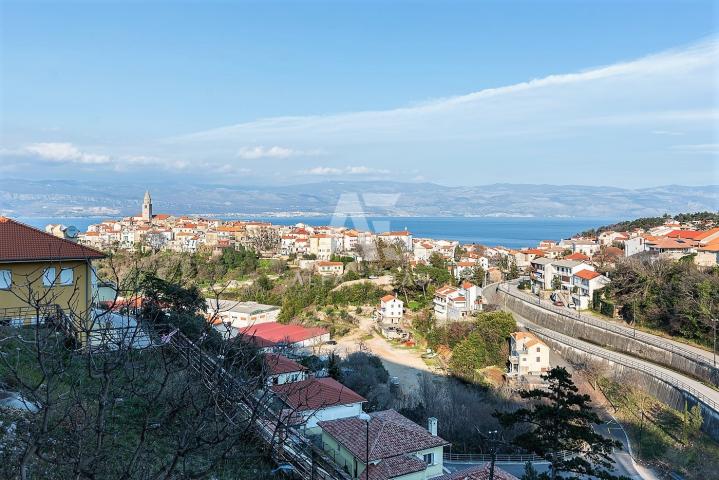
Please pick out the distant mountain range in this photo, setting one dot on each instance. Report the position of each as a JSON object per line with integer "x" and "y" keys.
{"x": 59, "y": 198}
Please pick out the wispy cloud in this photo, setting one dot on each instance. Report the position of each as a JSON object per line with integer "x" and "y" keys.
{"x": 330, "y": 171}
{"x": 702, "y": 148}
{"x": 650, "y": 91}
{"x": 254, "y": 153}
{"x": 64, "y": 153}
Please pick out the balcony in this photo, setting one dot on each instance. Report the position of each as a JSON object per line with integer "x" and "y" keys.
{"x": 102, "y": 330}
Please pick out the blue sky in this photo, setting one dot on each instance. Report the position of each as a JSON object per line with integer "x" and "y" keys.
{"x": 612, "y": 93}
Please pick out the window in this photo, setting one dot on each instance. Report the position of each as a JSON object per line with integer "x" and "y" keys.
{"x": 428, "y": 458}
{"x": 49, "y": 276}
{"x": 5, "y": 279}
{"x": 66, "y": 276}
{"x": 539, "y": 349}
{"x": 537, "y": 359}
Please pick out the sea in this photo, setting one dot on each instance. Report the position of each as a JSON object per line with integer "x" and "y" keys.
{"x": 515, "y": 232}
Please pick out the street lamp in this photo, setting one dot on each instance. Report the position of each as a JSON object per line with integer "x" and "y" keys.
{"x": 366, "y": 418}
{"x": 493, "y": 446}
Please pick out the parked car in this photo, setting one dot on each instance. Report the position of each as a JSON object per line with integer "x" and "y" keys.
{"x": 571, "y": 305}
{"x": 559, "y": 303}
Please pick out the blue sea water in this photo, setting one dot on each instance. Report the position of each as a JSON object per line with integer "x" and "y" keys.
{"x": 509, "y": 232}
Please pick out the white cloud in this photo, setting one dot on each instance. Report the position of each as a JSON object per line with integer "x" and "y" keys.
{"x": 360, "y": 170}
{"x": 259, "y": 151}
{"x": 64, "y": 153}
{"x": 657, "y": 89}
{"x": 705, "y": 148}
{"x": 254, "y": 153}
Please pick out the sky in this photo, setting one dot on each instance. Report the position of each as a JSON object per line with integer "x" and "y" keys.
{"x": 619, "y": 93}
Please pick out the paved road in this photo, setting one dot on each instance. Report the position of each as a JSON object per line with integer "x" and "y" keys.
{"x": 618, "y": 326}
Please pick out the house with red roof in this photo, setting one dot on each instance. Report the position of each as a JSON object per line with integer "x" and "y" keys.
{"x": 38, "y": 269}
{"x": 454, "y": 303}
{"x": 584, "y": 283}
{"x": 391, "y": 309}
{"x": 329, "y": 269}
{"x": 277, "y": 336}
{"x": 305, "y": 403}
{"x": 528, "y": 355}
{"x": 280, "y": 370}
{"x": 384, "y": 445}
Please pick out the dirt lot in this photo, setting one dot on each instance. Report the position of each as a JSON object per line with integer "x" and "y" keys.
{"x": 403, "y": 363}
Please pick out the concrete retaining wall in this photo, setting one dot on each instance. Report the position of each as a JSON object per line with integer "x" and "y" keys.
{"x": 614, "y": 341}
{"x": 659, "y": 389}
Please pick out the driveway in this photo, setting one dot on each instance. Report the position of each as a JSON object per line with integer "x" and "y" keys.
{"x": 405, "y": 364}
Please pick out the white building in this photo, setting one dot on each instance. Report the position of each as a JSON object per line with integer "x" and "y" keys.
{"x": 584, "y": 284}
{"x": 241, "y": 314}
{"x": 565, "y": 270}
{"x": 542, "y": 274}
{"x": 326, "y": 268}
{"x": 322, "y": 245}
{"x": 528, "y": 355}
{"x": 281, "y": 370}
{"x": 402, "y": 238}
{"x": 317, "y": 399}
{"x": 454, "y": 303}
{"x": 391, "y": 309}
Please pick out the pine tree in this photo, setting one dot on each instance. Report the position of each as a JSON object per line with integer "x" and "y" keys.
{"x": 561, "y": 420}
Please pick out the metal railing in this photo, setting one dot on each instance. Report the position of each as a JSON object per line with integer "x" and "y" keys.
{"x": 624, "y": 331}
{"x": 627, "y": 362}
{"x": 286, "y": 444}
{"x": 500, "y": 457}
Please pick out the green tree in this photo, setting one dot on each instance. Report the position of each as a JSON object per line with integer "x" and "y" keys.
{"x": 530, "y": 473}
{"x": 561, "y": 420}
{"x": 513, "y": 271}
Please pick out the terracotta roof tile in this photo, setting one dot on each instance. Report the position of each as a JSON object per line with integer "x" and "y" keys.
{"x": 390, "y": 433}
{"x": 277, "y": 364}
{"x": 20, "y": 242}
{"x": 478, "y": 472}
{"x": 587, "y": 274}
{"x": 393, "y": 467}
{"x": 316, "y": 393}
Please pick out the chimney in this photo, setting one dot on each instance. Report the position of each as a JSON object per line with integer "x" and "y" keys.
{"x": 432, "y": 426}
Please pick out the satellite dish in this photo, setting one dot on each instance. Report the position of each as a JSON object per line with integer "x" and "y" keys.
{"x": 71, "y": 231}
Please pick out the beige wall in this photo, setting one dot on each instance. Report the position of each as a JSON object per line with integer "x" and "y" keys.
{"x": 27, "y": 284}
{"x": 344, "y": 458}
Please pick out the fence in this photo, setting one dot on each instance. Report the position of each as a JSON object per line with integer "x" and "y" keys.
{"x": 627, "y": 362}
{"x": 286, "y": 444}
{"x": 610, "y": 327}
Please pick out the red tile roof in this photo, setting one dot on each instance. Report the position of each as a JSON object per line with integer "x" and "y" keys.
{"x": 316, "y": 393}
{"x": 577, "y": 256}
{"x": 690, "y": 234}
{"x": 388, "y": 298}
{"x": 393, "y": 467}
{"x": 21, "y": 243}
{"x": 274, "y": 332}
{"x": 278, "y": 364}
{"x": 390, "y": 434}
{"x": 478, "y": 472}
{"x": 587, "y": 274}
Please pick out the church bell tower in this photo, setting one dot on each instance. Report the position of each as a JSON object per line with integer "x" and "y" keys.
{"x": 147, "y": 208}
